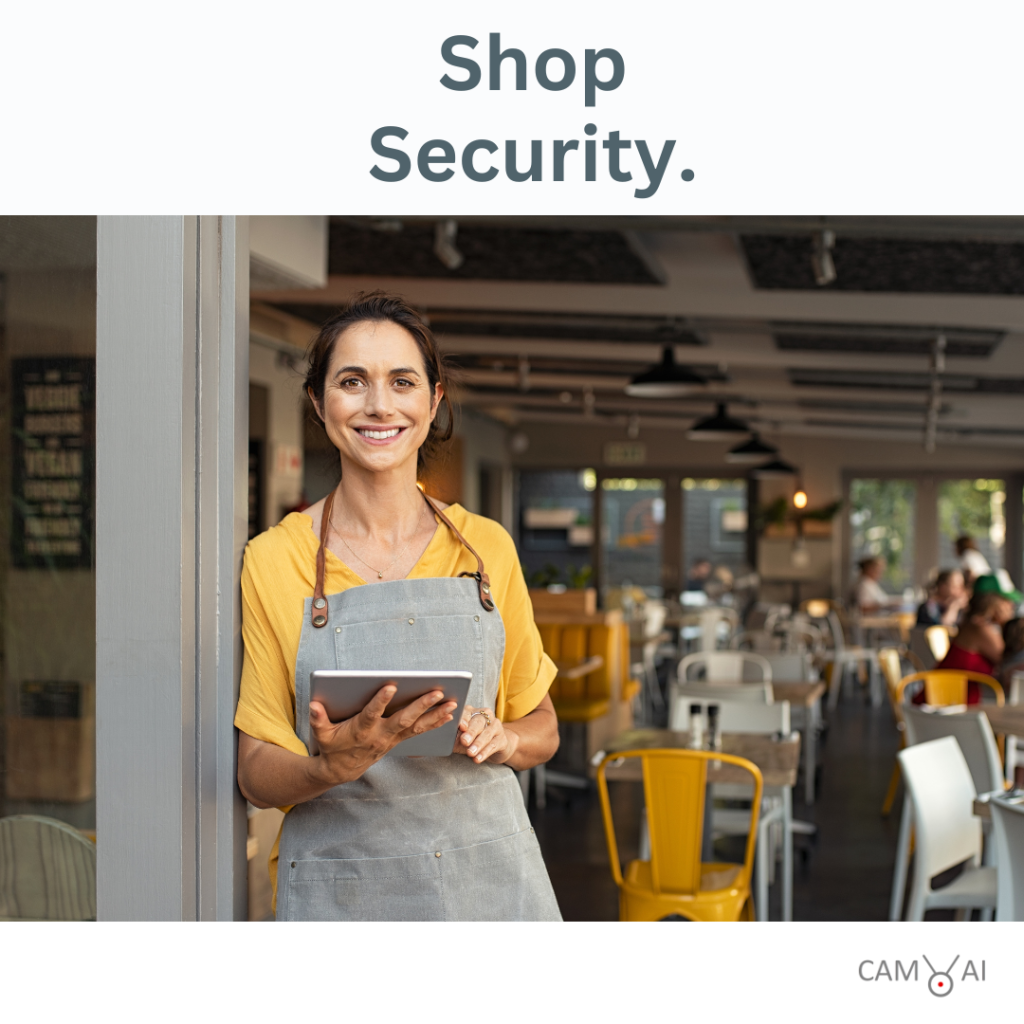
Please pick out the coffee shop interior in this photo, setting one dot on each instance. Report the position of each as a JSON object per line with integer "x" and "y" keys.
{"x": 761, "y": 473}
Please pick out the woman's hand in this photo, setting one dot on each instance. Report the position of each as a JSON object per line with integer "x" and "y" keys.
{"x": 482, "y": 741}
{"x": 348, "y": 748}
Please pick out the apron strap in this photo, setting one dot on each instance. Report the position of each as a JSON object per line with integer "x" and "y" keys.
{"x": 481, "y": 577}
{"x": 320, "y": 606}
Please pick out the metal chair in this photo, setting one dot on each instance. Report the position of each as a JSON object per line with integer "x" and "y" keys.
{"x": 944, "y": 687}
{"x": 1008, "y": 833}
{"x": 47, "y": 871}
{"x": 675, "y": 880}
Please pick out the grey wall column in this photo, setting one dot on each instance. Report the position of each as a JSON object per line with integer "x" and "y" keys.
{"x": 171, "y": 487}
{"x": 1014, "y": 512}
{"x": 926, "y": 529}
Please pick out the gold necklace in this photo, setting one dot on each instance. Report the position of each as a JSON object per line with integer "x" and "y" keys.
{"x": 379, "y": 572}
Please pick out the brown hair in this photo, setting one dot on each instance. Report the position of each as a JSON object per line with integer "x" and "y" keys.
{"x": 381, "y": 307}
{"x": 982, "y": 604}
{"x": 1013, "y": 636}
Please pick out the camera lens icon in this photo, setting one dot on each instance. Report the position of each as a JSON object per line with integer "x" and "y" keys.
{"x": 940, "y": 984}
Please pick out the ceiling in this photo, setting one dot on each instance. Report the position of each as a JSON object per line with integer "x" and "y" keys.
{"x": 548, "y": 319}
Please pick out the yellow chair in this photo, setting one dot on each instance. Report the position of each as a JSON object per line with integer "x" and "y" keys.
{"x": 938, "y": 641}
{"x": 675, "y": 880}
{"x": 892, "y": 672}
{"x": 944, "y": 687}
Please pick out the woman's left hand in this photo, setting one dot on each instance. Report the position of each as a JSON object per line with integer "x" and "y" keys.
{"x": 482, "y": 737}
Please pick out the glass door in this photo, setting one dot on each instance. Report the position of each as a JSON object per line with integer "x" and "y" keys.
{"x": 714, "y": 533}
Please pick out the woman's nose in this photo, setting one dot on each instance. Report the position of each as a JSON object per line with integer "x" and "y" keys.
{"x": 379, "y": 400}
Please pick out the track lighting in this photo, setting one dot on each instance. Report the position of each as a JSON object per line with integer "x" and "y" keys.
{"x": 821, "y": 258}
{"x": 445, "y": 233}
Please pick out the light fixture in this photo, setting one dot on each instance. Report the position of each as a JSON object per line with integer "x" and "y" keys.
{"x": 800, "y": 497}
{"x": 753, "y": 450}
{"x": 666, "y": 379}
{"x": 445, "y": 232}
{"x": 774, "y": 470}
{"x": 719, "y": 427}
{"x": 821, "y": 258}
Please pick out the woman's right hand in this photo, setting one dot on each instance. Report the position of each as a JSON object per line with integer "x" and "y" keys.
{"x": 349, "y": 748}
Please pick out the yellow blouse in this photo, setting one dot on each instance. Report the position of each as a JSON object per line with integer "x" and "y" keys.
{"x": 279, "y": 573}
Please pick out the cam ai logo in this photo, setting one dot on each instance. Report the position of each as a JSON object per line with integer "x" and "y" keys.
{"x": 940, "y": 982}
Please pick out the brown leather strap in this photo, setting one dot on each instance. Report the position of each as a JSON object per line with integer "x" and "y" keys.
{"x": 483, "y": 580}
{"x": 320, "y": 606}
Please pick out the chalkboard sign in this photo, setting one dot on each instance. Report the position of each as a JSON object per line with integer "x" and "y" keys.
{"x": 53, "y": 449}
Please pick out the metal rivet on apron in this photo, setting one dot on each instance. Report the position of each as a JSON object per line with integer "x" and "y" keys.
{"x": 438, "y": 854}
{"x": 319, "y": 621}
{"x": 319, "y": 602}
{"x": 337, "y": 629}
{"x": 531, "y": 829}
{"x": 293, "y": 863}
{"x": 476, "y": 618}
{"x": 411, "y": 621}
{"x": 487, "y": 590}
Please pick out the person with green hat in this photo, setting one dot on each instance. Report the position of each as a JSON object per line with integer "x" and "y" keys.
{"x": 998, "y": 582}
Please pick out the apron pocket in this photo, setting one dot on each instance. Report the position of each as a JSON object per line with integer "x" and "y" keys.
{"x": 388, "y": 889}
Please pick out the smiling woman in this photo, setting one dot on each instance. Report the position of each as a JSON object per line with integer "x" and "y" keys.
{"x": 369, "y": 838}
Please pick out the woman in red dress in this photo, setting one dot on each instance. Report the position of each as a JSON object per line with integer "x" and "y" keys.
{"x": 978, "y": 646}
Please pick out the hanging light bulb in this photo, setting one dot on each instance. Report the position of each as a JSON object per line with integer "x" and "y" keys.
{"x": 719, "y": 427}
{"x": 800, "y": 497}
{"x": 666, "y": 379}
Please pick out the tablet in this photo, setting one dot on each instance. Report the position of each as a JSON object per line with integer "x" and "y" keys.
{"x": 345, "y": 692}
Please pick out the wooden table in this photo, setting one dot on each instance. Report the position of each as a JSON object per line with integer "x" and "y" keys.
{"x": 777, "y": 759}
{"x": 981, "y": 806}
{"x": 807, "y": 696}
{"x": 899, "y": 622}
{"x": 1007, "y": 720}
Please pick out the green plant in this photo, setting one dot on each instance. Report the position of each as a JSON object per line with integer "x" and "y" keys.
{"x": 579, "y": 579}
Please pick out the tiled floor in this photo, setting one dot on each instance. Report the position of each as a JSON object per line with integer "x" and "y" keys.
{"x": 844, "y": 874}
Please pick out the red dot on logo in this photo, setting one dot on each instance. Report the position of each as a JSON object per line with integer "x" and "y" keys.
{"x": 941, "y": 983}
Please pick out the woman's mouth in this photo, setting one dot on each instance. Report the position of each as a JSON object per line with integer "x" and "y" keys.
{"x": 378, "y": 435}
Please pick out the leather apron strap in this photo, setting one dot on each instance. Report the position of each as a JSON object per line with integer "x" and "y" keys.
{"x": 320, "y": 607}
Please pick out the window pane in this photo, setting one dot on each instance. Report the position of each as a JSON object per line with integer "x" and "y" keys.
{"x": 556, "y": 526}
{"x": 882, "y": 526}
{"x": 633, "y": 515}
{"x": 47, "y": 580}
{"x": 714, "y": 530}
{"x": 972, "y": 508}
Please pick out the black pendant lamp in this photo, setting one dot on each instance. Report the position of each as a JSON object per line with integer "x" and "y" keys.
{"x": 719, "y": 427}
{"x": 666, "y": 379}
{"x": 753, "y": 450}
{"x": 774, "y": 470}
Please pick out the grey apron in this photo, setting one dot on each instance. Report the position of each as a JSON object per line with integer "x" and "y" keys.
{"x": 413, "y": 839}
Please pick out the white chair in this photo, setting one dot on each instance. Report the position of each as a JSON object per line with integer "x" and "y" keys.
{"x": 1008, "y": 833}
{"x": 682, "y": 697}
{"x": 724, "y": 667}
{"x": 711, "y": 622}
{"x": 843, "y": 657}
{"x": 941, "y": 790}
{"x": 47, "y": 871}
{"x": 977, "y": 743}
{"x": 1011, "y": 755}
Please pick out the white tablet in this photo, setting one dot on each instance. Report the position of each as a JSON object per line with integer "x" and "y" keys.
{"x": 345, "y": 692}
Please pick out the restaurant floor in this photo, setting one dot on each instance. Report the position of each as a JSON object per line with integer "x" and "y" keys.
{"x": 842, "y": 874}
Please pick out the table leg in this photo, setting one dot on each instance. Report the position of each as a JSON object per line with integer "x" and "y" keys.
{"x": 761, "y": 857}
{"x": 810, "y": 752}
{"x": 899, "y": 874}
{"x": 707, "y": 848}
{"x": 787, "y": 853}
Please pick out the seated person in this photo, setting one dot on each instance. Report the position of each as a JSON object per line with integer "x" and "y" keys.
{"x": 1013, "y": 651}
{"x": 868, "y": 595}
{"x": 972, "y": 562}
{"x": 700, "y": 573}
{"x": 978, "y": 645}
{"x": 947, "y": 600}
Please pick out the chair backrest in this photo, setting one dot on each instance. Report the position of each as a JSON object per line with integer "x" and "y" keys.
{"x": 577, "y": 643}
{"x": 711, "y": 619}
{"x": 791, "y": 667}
{"x": 1016, "y": 686}
{"x": 974, "y": 734}
{"x": 47, "y": 870}
{"x": 724, "y": 667}
{"x": 737, "y": 712}
{"x": 937, "y": 638}
{"x": 920, "y": 647}
{"x": 675, "y": 784}
{"x": 940, "y": 785}
{"x": 1008, "y": 833}
{"x": 944, "y": 687}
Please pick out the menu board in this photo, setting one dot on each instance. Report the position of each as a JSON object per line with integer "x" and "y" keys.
{"x": 53, "y": 455}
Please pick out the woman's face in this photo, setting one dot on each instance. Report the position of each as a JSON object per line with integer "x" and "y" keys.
{"x": 1002, "y": 611}
{"x": 873, "y": 570}
{"x": 378, "y": 404}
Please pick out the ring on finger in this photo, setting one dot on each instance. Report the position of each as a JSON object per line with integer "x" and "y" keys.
{"x": 487, "y": 717}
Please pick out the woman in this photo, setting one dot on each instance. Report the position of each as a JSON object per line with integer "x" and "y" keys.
{"x": 978, "y": 645}
{"x": 947, "y": 601}
{"x": 868, "y": 595}
{"x": 378, "y": 575}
